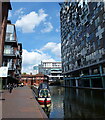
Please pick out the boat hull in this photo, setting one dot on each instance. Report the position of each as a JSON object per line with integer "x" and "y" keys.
{"x": 43, "y": 101}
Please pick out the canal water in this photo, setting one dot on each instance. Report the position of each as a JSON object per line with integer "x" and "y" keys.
{"x": 76, "y": 103}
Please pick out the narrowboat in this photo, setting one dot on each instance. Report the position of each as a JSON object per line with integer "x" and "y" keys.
{"x": 44, "y": 97}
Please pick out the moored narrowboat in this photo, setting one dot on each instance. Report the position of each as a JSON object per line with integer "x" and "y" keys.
{"x": 44, "y": 96}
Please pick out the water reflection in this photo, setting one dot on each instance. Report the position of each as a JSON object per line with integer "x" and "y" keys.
{"x": 84, "y": 103}
{"x": 76, "y": 103}
{"x": 57, "y": 96}
{"x": 46, "y": 108}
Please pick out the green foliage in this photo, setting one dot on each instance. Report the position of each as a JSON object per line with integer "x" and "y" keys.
{"x": 24, "y": 74}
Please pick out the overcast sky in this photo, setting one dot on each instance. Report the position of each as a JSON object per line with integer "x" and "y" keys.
{"x": 38, "y": 29}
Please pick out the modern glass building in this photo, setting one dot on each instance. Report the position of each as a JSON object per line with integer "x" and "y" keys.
{"x": 83, "y": 43}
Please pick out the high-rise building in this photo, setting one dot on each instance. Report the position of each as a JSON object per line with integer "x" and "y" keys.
{"x": 83, "y": 43}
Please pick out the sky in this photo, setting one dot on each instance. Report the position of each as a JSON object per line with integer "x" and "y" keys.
{"x": 38, "y": 29}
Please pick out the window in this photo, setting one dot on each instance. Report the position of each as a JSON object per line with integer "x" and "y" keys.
{"x": 79, "y": 62}
{"x": 9, "y": 37}
{"x": 93, "y": 44}
{"x": 10, "y": 29}
{"x": 98, "y": 42}
{"x": 104, "y": 15}
{"x": 82, "y": 43}
{"x": 97, "y": 21}
{"x": 8, "y": 49}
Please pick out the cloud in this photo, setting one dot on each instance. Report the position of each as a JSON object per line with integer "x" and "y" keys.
{"x": 19, "y": 11}
{"x": 57, "y": 30}
{"x": 58, "y": 14}
{"x": 29, "y": 59}
{"x": 28, "y": 23}
{"x": 48, "y": 27}
{"x": 55, "y": 48}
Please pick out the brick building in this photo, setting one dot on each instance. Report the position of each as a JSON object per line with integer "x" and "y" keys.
{"x": 33, "y": 79}
{"x": 12, "y": 57}
{"x": 40, "y": 78}
{"x": 4, "y": 8}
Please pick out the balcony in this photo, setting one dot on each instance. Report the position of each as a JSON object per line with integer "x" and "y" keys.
{"x": 11, "y": 66}
{"x": 56, "y": 72}
{"x": 11, "y": 35}
{"x": 10, "y": 40}
{"x": 17, "y": 73}
{"x": 18, "y": 54}
{"x": 9, "y": 53}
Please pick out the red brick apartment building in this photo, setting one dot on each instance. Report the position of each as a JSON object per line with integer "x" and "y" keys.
{"x": 12, "y": 56}
{"x": 4, "y": 8}
{"x": 34, "y": 79}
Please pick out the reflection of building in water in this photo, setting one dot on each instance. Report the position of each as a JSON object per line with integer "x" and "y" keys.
{"x": 57, "y": 95}
{"x": 83, "y": 43}
{"x": 84, "y": 104}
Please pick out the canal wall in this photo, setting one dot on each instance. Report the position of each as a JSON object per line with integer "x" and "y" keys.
{"x": 102, "y": 89}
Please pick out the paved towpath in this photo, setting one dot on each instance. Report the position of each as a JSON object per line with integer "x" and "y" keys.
{"x": 21, "y": 104}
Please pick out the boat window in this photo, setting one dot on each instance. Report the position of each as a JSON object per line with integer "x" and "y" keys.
{"x": 44, "y": 92}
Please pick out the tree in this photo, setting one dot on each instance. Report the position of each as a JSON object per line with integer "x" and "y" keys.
{"x": 24, "y": 74}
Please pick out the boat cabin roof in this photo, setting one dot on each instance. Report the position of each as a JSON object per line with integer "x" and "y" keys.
{"x": 43, "y": 86}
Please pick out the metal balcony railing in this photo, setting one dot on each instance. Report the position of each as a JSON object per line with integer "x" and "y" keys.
{"x": 56, "y": 71}
{"x": 9, "y": 53}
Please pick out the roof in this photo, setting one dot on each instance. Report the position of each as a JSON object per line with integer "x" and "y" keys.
{"x": 37, "y": 75}
{"x": 27, "y": 75}
{"x": 40, "y": 75}
{"x": 8, "y": 3}
{"x": 51, "y": 62}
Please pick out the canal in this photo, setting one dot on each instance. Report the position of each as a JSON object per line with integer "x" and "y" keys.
{"x": 76, "y": 103}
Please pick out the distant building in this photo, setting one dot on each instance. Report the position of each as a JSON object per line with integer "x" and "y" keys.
{"x": 83, "y": 43}
{"x": 35, "y": 68}
{"x": 34, "y": 79}
{"x": 27, "y": 79}
{"x": 12, "y": 57}
{"x": 52, "y": 69}
{"x": 40, "y": 78}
